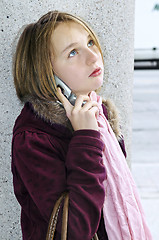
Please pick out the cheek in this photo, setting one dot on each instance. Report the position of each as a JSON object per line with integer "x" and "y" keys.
{"x": 70, "y": 80}
{"x": 61, "y": 70}
{"x": 55, "y": 67}
{"x": 70, "y": 73}
{"x": 101, "y": 60}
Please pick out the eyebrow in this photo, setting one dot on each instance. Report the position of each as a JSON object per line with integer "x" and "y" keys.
{"x": 72, "y": 45}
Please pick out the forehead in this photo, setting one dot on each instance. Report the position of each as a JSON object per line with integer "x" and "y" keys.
{"x": 67, "y": 33}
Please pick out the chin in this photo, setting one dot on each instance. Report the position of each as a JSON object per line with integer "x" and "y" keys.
{"x": 99, "y": 83}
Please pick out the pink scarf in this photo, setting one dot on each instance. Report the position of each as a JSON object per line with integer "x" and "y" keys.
{"x": 123, "y": 213}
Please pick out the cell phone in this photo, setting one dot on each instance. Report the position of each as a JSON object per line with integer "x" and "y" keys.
{"x": 67, "y": 92}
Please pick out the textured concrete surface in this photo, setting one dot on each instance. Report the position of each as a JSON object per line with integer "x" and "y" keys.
{"x": 113, "y": 22}
{"x": 145, "y": 144}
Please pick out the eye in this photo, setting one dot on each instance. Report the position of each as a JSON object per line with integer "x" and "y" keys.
{"x": 90, "y": 43}
{"x": 72, "y": 53}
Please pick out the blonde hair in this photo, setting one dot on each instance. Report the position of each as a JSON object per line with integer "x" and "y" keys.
{"x": 32, "y": 68}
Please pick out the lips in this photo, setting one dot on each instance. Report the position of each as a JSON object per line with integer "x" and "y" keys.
{"x": 96, "y": 72}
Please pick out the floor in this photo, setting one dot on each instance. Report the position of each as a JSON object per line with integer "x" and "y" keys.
{"x": 145, "y": 144}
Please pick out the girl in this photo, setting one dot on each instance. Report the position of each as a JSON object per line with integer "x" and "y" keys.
{"x": 59, "y": 146}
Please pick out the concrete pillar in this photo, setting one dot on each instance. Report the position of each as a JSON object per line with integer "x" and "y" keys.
{"x": 113, "y": 21}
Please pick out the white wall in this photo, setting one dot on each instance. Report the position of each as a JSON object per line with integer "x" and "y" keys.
{"x": 146, "y": 24}
{"x": 113, "y": 21}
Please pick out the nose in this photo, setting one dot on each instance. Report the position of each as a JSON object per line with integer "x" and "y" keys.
{"x": 91, "y": 56}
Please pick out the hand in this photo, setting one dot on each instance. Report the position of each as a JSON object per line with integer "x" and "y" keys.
{"x": 81, "y": 117}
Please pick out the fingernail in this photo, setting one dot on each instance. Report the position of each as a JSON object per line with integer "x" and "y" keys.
{"x": 59, "y": 89}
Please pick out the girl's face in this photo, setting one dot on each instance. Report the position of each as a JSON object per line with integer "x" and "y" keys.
{"x": 76, "y": 59}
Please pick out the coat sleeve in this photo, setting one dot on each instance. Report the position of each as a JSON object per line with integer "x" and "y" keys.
{"x": 45, "y": 174}
{"x": 85, "y": 176}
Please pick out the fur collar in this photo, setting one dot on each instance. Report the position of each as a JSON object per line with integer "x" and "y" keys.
{"x": 52, "y": 112}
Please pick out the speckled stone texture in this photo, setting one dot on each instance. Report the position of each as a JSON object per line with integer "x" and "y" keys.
{"x": 113, "y": 21}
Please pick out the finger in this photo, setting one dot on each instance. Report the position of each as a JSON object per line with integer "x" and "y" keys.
{"x": 67, "y": 105}
{"x": 94, "y": 110}
{"x": 89, "y": 105}
{"x": 79, "y": 101}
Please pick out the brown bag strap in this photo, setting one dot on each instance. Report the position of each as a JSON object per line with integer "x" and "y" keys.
{"x": 65, "y": 218}
{"x": 54, "y": 216}
{"x": 95, "y": 237}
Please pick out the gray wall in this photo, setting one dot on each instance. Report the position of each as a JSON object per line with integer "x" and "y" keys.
{"x": 113, "y": 21}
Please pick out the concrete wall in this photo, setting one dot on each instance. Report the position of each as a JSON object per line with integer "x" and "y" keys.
{"x": 113, "y": 21}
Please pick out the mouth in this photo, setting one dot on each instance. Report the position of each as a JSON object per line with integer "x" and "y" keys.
{"x": 96, "y": 72}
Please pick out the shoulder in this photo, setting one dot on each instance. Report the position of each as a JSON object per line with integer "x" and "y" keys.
{"x": 112, "y": 114}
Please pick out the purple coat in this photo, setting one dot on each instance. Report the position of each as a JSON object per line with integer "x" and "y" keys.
{"x": 48, "y": 159}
